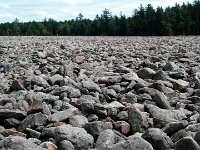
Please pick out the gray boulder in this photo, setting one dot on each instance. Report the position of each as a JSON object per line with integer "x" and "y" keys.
{"x": 146, "y": 73}
{"x": 161, "y": 100}
{"x": 165, "y": 115}
{"x": 96, "y": 127}
{"x": 78, "y": 121}
{"x": 107, "y": 138}
{"x": 187, "y": 143}
{"x": 7, "y": 113}
{"x": 56, "y": 79}
{"x": 18, "y": 143}
{"x": 135, "y": 143}
{"x": 158, "y": 139}
{"x": 66, "y": 145}
{"x": 137, "y": 120}
{"x": 37, "y": 80}
{"x": 91, "y": 86}
{"x": 80, "y": 139}
{"x": 33, "y": 120}
{"x": 62, "y": 115}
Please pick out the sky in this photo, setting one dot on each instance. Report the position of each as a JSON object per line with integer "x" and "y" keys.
{"x": 28, "y": 10}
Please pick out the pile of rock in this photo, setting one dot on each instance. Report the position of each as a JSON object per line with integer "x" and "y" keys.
{"x": 103, "y": 93}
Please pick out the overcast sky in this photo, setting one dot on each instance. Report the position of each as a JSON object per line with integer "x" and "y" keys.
{"x": 28, "y": 10}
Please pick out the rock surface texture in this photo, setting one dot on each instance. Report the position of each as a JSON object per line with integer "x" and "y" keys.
{"x": 100, "y": 93}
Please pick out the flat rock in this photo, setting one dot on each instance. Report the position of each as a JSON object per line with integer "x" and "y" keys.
{"x": 7, "y": 113}
{"x": 110, "y": 80}
{"x": 135, "y": 143}
{"x": 91, "y": 86}
{"x": 165, "y": 115}
{"x": 62, "y": 115}
{"x": 115, "y": 104}
{"x": 18, "y": 143}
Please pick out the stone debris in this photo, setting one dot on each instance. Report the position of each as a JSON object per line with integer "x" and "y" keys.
{"x": 100, "y": 93}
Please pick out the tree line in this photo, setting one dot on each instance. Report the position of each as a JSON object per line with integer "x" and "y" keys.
{"x": 146, "y": 21}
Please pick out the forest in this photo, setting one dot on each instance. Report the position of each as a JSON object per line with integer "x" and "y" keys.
{"x": 177, "y": 20}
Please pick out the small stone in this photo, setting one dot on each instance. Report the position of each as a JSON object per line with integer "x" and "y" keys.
{"x": 34, "y": 140}
{"x": 110, "y": 93}
{"x": 62, "y": 46}
{"x": 56, "y": 79}
{"x": 129, "y": 98}
{"x": 17, "y": 85}
{"x": 135, "y": 143}
{"x": 91, "y": 86}
{"x": 181, "y": 85}
{"x": 66, "y": 145}
{"x": 17, "y": 114}
{"x": 62, "y": 115}
{"x": 96, "y": 127}
{"x": 75, "y": 135}
{"x": 180, "y": 73}
{"x": 132, "y": 76}
{"x": 49, "y": 146}
{"x": 87, "y": 106}
{"x": 170, "y": 66}
{"x": 33, "y": 120}
{"x": 179, "y": 135}
{"x": 197, "y": 137}
{"x": 18, "y": 143}
{"x": 11, "y": 122}
{"x": 110, "y": 80}
{"x": 78, "y": 121}
{"x": 106, "y": 138}
{"x": 33, "y": 133}
{"x": 158, "y": 139}
{"x": 146, "y": 73}
{"x": 122, "y": 126}
{"x": 35, "y": 107}
{"x": 115, "y": 104}
{"x": 1, "y": 129}
{"x": 92, "y": 117}
{"x": 161, "y": 100}
{"x": 173, "y": 127}
{"x": 160, "y": 86}
{"x": 122, "y": 115}
{"x": 42, "y": 54}
{"x": 163, "y": 114}
{"x": 37, "y": 80}
{"x": 137, "y": 120}
{"x": 79, "y": 59}
{"x": 13, "y": 132}
{"x": 193, "y": 127}
{"x": 48, "y": 132}
{"x": 187, "y": 143}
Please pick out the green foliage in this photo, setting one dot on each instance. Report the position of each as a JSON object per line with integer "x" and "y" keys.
{"x": 146, "y": 21}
